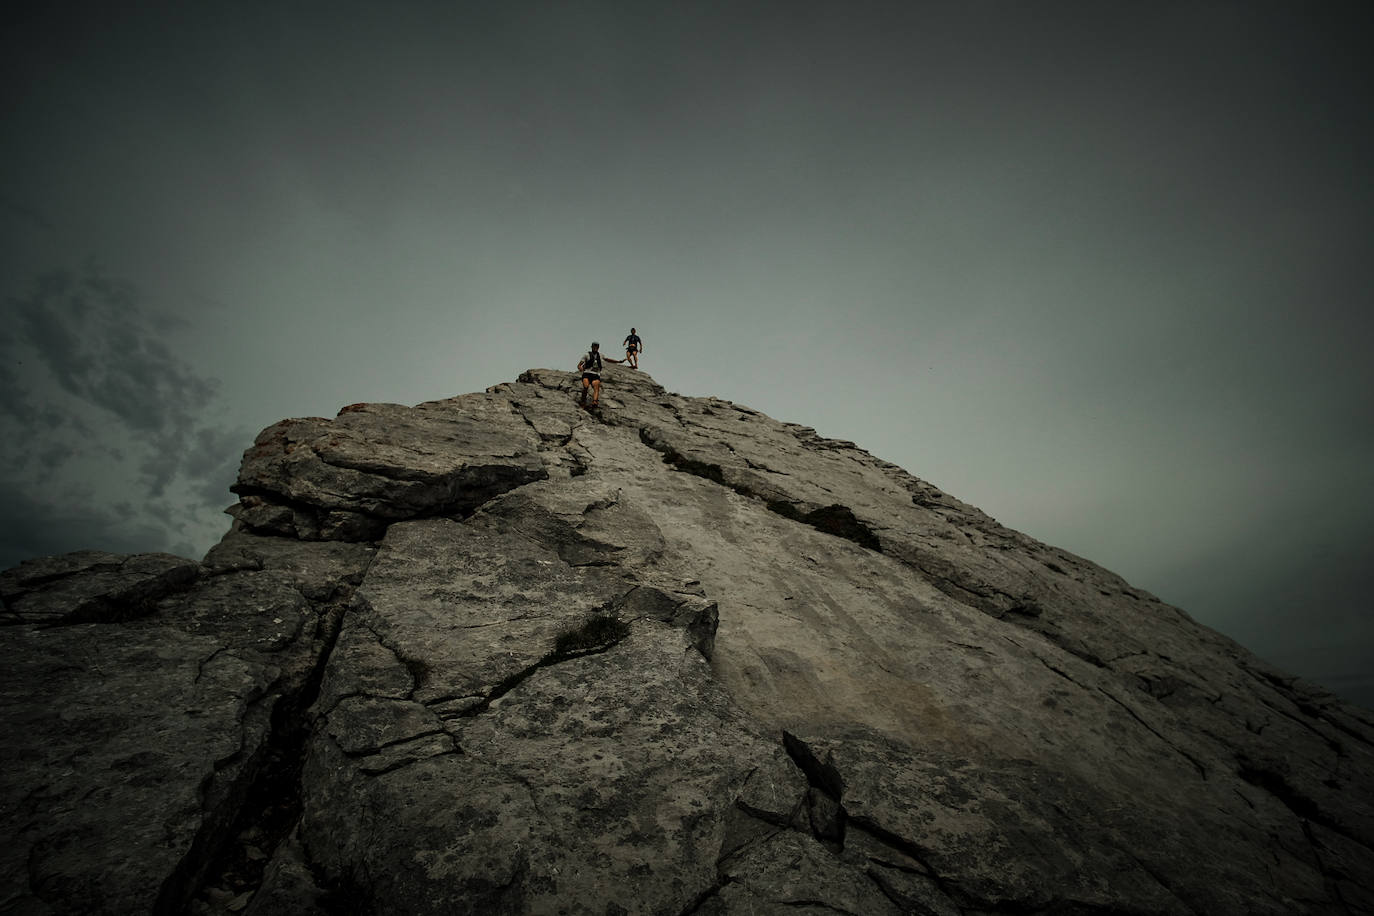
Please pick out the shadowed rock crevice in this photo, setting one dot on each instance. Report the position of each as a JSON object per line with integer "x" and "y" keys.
{"x": 270, "y": 805}
{"x": 374, "y": 750}
{"x": 695, "y": 466}
{"x": 229, "y": 863}
{"x": 835, "y": 520}
{"x": 824, "y": 776}
{"x": 825, "y": 810}
{"x": 598, "y": 633}
{"x": 830, "y": 823}
{"x": 266, "y": 512}
{"x": 224, "y": 801}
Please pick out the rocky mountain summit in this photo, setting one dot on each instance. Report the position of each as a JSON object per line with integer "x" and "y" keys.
{"x": 498, "y": 654}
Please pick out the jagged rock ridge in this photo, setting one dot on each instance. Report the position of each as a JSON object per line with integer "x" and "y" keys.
{"x": 497, "y": 654}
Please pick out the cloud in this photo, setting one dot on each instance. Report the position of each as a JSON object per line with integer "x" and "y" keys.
{"x": 105, "y": 415}
{"x": 73, "y": 521}
{"x": 23, "y": 215}
{"x": 103, "y": 348}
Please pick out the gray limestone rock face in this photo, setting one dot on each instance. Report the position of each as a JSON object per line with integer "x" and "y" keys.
{"x": 90, "y": 586}
{"x": 348, "y": 478}
{"x": 322, "y": 570}
{"x": 131, "y": 744}
{"x": 574, "y": 707}
{"x": 501, "y": 654}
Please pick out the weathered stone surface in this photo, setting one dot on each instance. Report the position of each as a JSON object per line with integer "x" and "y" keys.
{"x": 604, "y": 778}
{"x": 320, "y": 569}
{"x": 91, "y": 586}
{"x": 289, "y": 887}
{"x": 669, "y": 657}
{"x": 448, "y": 672}
{"x": 347, "y": 478}
{"x": 130, "y": 746}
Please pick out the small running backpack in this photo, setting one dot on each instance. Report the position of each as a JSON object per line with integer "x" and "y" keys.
{"x": 590, "y": 363}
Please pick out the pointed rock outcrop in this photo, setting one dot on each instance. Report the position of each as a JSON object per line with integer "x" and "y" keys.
{"x": 501, "y": 654}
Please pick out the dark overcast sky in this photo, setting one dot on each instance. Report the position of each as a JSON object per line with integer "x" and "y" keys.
{"x": 1101, "y": 269}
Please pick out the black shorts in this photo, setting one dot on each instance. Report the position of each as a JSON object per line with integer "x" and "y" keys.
{"x": 591, "y": 377}
{"x": 631, "y": 350}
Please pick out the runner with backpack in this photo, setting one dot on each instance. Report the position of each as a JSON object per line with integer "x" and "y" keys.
{"x": 633, "y": 347}
{"x": 590, "y": 367}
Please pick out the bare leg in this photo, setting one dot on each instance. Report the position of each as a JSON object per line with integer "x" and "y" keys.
{"x": 585, "y": 383}
{"x": 596, "y": 391}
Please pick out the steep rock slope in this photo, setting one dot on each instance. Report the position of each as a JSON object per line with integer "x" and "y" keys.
{"x": 500, "y": 654}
